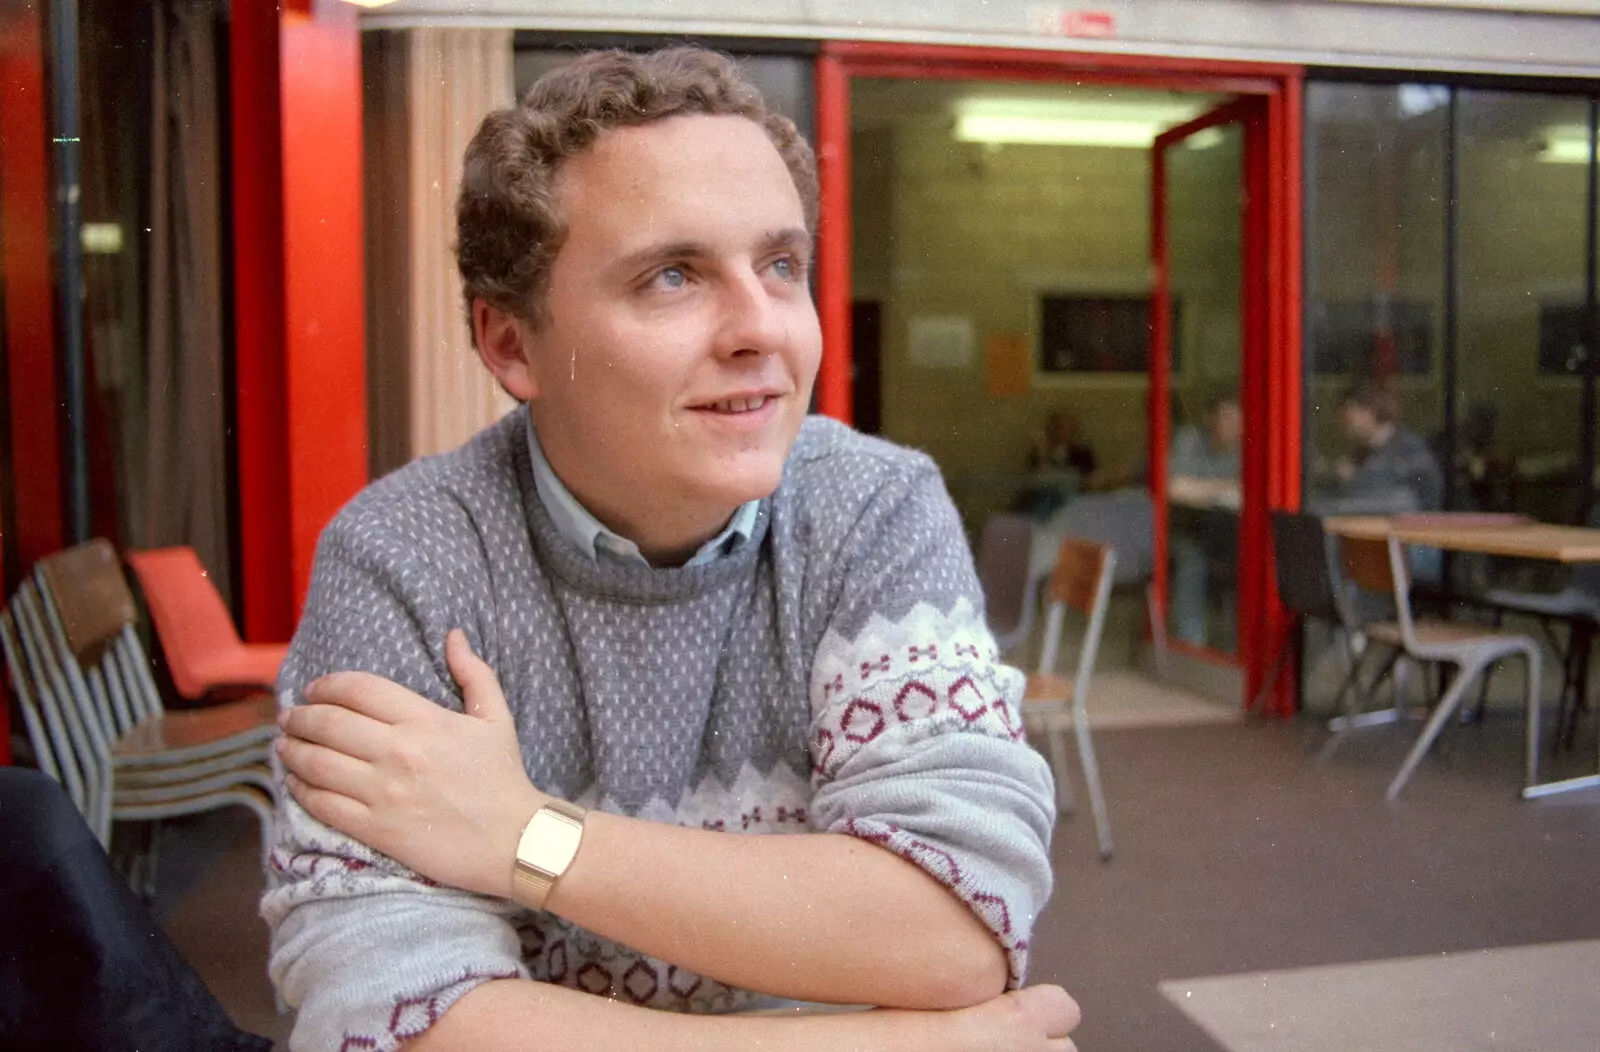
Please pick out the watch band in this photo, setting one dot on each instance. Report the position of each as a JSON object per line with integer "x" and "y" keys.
{"x": 548, "y": 845}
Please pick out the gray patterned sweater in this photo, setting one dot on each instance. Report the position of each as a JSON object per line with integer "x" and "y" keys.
{"x": 833, "y": 675}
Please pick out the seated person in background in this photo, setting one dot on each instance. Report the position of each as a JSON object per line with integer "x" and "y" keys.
{"x": 1202, "y": 472}
{"x": 1389, "y": 469}
{"x": 1061, "y": 447}
{"x": 660, "y": 592}
{"x": 1058, "y": 448}
{"x": 1485, "y": 471}
{"x": 1386, "y": 461}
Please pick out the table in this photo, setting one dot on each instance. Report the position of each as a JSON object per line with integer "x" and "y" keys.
{"x": 1505, "y": 535}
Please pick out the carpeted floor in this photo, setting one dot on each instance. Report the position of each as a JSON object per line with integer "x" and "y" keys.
{"x": 1238, "y": 852}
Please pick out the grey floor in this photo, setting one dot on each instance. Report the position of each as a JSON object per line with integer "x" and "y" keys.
{"x": 1238, "y": 851}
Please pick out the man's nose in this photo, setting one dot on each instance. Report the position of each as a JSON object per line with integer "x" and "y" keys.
{"x": 751, "y": 322}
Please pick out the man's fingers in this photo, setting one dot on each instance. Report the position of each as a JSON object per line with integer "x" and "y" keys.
{"x": 350, "y": 817}
{"x": 323, "y": 768}
{"x": 370, "y": 695}
{"x": 341, "y": 729}
{"x": 1057, "y": 1013}
{"x": 480, "y": 690}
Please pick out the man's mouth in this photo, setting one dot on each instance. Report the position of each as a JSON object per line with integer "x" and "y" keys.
{"x": 738, "y": 405}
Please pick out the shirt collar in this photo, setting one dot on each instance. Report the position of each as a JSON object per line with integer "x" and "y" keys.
{"x": 573, "y": 521}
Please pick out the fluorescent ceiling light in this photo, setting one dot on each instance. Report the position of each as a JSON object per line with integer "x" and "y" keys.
{"x": 1568, "y": 144}
{"x": 1044, "y": 131}
{"x": 1126, "y": 123}
{"x": 370, "y": 3}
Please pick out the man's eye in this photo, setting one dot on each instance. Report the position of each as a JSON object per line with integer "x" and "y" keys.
{"x": 672, "y": 277}
{"x": 788, "y": 268}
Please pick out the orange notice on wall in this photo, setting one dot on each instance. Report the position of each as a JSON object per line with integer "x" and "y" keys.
{"x": 1006, "y": 365}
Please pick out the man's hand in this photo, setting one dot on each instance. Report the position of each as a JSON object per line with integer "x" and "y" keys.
{"x": 444, "y": 793}
{"x": 1033, "y": 1019}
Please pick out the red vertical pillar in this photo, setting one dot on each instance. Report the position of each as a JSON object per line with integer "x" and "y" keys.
{"x": 29, "y": 306}
{"x": 33, "y": 474}
{"x": 299, "y": 299}
{"x": 833, "y": 238}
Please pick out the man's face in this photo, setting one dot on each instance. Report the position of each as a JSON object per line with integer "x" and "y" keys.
{"x": 675, "y": 362}
{"x": 1227, "y": 426}
{"x": 1358, "y": 423}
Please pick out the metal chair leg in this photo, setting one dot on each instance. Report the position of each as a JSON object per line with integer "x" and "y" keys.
{"x": 1535, "y": 717}
{"x": 1091, "y": 776}
{"x": 1060, "y": 762}
{"x": 1441, "y": 713}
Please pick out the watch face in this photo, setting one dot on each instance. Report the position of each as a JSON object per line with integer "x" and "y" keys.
{"x": 548, "y": 845}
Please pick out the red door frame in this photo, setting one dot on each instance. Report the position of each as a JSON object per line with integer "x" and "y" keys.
{"x": 1272, "y": 386}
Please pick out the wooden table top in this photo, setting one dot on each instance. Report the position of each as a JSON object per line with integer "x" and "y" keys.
{"x": 1467, "y": 532}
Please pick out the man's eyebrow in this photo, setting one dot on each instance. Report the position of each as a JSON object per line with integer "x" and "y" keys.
{"x": 661, "y": 252}
{"x": 794, "y": 239}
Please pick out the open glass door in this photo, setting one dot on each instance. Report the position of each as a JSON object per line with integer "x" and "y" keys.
{"x": 1207, "y": 365}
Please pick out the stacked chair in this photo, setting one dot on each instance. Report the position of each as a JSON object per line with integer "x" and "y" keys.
{"x": 95, "y": 719}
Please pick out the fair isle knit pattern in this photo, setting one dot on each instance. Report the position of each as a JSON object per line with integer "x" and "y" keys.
{"x": 832, "y": 675}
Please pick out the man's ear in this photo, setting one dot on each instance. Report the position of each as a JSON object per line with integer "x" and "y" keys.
{"x": 500, "y": 338}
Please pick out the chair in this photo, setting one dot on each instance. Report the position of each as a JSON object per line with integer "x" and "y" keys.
{"x": 94, "y": 718}
{"x": 1004, "y": 564}
{"x": 1578, "y": 605}
{"x": 204, "y": 653}
{"x": 1378, "y": 567}
{"x": 1124, "y": 520}
{"x": 1309, "y": 585}
{"x": 1081, "y": 581}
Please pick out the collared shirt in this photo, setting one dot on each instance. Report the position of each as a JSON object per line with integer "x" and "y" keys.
{"x": 581, "y": 528}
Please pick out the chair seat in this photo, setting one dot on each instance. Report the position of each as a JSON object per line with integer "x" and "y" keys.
{"x": 199, "y": 733}
{"x": 1568, "y": 603}
{"x": 1433, "y": 634}
{"x": 246, "y": 664}
{"x": 1046, "y": 689}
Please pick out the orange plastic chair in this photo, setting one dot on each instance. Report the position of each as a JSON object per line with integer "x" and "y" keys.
{"x": 204, "y": 653}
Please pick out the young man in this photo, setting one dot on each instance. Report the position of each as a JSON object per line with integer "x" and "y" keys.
{"x": 1386, "y": 459}
{"x": 699, "y": 613}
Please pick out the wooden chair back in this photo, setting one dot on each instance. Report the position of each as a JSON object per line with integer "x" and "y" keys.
{"x": 1366, "y": 564}
{"x": 91, "y": 595}
{"x": 1076, "y": 581}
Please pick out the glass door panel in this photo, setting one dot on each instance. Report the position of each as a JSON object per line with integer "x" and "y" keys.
{"x": 1197, "y": 419}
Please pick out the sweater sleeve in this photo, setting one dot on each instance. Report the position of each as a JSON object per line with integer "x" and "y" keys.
{"x": 917, "y": 741}
{"x": 369, "y": 952}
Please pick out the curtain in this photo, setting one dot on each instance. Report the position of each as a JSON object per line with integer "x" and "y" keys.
{"x": 183, "y": 498}
{"x": 453, "y": 78}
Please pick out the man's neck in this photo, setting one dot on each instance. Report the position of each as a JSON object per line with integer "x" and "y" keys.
{"x": 668, "y": 537}
{"x": 1381, "y": 437}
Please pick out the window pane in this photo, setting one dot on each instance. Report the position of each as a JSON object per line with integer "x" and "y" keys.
{"x": 1375, "y": 294}
{"x": 1522, "y": 274}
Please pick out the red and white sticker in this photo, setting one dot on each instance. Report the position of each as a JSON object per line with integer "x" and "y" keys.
{"x": 1057, "y": 21}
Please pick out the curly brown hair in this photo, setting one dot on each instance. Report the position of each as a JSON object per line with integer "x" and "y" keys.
{"x": 508, "y": 223}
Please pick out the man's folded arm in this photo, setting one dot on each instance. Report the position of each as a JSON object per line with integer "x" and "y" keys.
{"x": 366, "y": 950}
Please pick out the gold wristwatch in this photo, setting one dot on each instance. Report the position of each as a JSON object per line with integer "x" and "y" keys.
{"x": 548, "y": 845}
